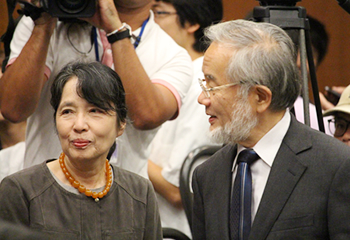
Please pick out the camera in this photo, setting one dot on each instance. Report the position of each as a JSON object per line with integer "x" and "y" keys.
{"x": 278, "y": 2}
{"x": 69, "y": 8}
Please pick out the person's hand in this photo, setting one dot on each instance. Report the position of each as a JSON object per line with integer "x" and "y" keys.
{"x": 44, "y": 21}
{"x": 325, "y": 104}
{"x": 106, "y": 16}
{"x": 339, "y": 89}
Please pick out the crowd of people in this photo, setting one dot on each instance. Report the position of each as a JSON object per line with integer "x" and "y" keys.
{"x": 98, "y": 116}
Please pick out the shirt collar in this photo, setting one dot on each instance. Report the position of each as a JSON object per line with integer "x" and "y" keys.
{"x": 268, "y": 146}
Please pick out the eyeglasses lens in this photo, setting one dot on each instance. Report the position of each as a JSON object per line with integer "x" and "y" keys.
{"x": 340, "y": 128}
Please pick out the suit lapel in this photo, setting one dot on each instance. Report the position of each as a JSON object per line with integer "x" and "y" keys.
{"x": 222, "y": 190}
{"x": 284, "y": 176}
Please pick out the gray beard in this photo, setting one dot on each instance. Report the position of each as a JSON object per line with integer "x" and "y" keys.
{"x": 239, "y": 128}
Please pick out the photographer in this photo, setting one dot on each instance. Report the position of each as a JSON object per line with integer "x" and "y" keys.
{"x": 155, "y": 73}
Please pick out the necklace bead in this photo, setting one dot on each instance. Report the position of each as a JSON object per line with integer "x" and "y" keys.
{"x": 81, "y": 188}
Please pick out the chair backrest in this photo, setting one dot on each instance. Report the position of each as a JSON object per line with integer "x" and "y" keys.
{"x": 193, "y": 159}
{"x": 170, "y": 233}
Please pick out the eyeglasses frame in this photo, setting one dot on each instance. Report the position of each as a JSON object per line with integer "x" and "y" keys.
{"x": 335, "y": 129}
{"x": 208, "y": 90}
{"x": 163, "y": 13}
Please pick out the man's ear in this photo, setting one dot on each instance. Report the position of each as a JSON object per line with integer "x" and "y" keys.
{"x": 191, "y": 28}
{"x": 263, "y": 98}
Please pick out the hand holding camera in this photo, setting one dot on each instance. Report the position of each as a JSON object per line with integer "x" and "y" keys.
{"x": 106, "y": 16}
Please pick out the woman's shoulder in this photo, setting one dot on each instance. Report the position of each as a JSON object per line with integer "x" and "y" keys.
{"x": 134, "y": 184}
{"x": 33, "y": 179}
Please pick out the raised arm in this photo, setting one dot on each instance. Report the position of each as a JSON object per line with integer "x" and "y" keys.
{"x": 22, "y": 82}
{"x": 149, "y": 104}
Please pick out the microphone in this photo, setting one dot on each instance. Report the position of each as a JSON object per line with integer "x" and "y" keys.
{"x": 345, "y": 4}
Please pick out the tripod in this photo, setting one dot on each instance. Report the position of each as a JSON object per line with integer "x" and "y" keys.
{"x": 291, "y": 19}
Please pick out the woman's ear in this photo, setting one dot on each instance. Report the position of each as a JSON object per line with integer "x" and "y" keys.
{"x": 121, "y": 128}
{"x": 263, "y": 98}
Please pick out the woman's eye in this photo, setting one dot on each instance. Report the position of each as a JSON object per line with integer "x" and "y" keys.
{"x": 96, "y": 110}
{"x": 66, "y": 111}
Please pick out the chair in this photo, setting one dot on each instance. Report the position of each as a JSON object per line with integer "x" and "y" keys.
{"x": 170, "y": 233}
{"x": 193, "y": 159}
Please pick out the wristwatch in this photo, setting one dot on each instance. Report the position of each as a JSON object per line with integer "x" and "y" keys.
{"x": 119, "y": 34}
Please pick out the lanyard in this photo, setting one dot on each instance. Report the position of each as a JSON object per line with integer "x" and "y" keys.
{"x": 138, "y": 38}
{"x": 94, "y": 34}
{"x": 136, "y": 43}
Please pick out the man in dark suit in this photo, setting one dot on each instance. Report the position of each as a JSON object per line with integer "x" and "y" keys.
{"x": 300, "y": 179}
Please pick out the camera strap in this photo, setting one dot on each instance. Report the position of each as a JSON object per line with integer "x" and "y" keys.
{"x": 30, "y": 10}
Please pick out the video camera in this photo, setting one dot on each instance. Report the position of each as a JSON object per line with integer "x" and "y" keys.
{"x": 278, "y": 2}
{"x": 64, "y": 9}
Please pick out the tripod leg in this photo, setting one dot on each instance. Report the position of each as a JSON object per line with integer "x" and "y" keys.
{"x": 303, "y": 66}
{"x": 314, "y": 85}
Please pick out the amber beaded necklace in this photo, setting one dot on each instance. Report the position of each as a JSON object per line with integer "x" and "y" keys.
{"x": 81, "y": 187}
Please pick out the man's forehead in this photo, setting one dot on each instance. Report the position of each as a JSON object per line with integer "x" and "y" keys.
{"x": 217, "y": 55}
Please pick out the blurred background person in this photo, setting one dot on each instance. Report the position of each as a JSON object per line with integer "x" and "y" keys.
{"x": 81, "y": 195}
{"x": 184, "y": 21}
{"x": 339, "y": 124}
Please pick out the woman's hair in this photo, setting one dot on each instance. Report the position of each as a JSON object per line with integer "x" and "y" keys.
{"x": 97, "y": 84}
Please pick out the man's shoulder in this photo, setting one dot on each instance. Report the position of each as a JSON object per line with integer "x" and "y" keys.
{"x": 222, "y": 158}
{"x": 301, "y": 133}
{"x": 300, "y": 138}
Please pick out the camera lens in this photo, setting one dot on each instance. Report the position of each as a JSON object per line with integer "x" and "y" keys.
{"x": 72, "y": 6}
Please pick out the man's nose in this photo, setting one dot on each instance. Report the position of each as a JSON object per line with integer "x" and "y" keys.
{"x": 203, "y": 99}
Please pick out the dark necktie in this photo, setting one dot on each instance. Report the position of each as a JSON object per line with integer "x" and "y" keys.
{"x": 241, "y": 197}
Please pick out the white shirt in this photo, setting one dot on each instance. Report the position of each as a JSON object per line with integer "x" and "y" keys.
{"x": 11, "y": 159}
{"x": 266, "y": 148}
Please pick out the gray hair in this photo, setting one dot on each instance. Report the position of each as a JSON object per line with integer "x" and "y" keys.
{"x": 263, "y": 54}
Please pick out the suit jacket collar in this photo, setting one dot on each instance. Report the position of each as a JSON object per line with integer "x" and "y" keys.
{"x": 285, "y": 174}
{"x": 224, "y": 188}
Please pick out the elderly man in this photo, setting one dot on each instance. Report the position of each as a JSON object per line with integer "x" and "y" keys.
{"x": 276, "y": 178}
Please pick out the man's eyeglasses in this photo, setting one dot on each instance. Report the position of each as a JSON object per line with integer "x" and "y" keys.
{"x": 162, "y": 13}
{"x": 207, "y": 91}
{"x": 338, "y": 126}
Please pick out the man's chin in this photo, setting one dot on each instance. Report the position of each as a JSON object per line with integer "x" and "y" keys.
{"x": 218, "y": 135}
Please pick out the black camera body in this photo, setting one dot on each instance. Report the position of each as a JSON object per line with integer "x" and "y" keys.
{"x": 64, "y": 9}
{"x": 278, "y": 2}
